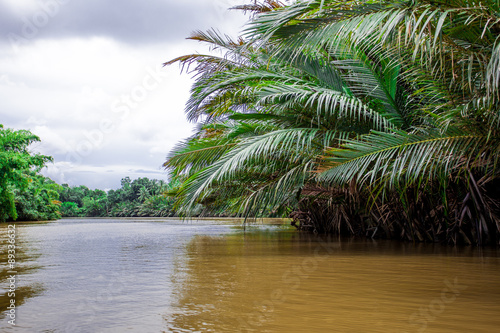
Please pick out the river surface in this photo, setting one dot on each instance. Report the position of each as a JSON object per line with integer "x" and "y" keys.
{"x": 164, "y": 275}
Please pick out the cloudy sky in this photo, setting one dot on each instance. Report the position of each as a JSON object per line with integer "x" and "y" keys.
{"x": 86, "y": 77}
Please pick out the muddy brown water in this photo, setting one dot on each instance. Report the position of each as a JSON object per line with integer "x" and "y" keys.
{"x": 165, "y": 275}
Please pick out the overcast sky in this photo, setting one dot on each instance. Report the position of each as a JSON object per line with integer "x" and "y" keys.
{"x": 86, "y": 77}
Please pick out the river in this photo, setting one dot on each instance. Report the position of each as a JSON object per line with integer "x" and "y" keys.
{"x": 165, "y": 275}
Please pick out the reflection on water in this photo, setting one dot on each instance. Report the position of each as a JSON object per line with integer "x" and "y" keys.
{"x": 123, "y": 275}
{"x": 100, "y": 275}
{"x": 272, "y": 281}
{"x": 25, "y": 263}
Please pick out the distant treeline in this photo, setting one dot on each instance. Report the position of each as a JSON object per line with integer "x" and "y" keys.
{"x": 140, "y": 197}
{"x": 26, "y": 195}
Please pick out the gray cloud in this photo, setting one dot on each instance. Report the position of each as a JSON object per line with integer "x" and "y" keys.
{"x": 63, "y": 83}
{"x": 129, "y": 21}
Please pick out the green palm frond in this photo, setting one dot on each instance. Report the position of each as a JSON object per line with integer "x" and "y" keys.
{"x": 326, "y": 103}
{"x": 257, "y": 150}
{"x": 196, "y": 155}
{"x": 434, "y": 33}
{"x": 402, "y": 159}
{"x": 279, "y": 193}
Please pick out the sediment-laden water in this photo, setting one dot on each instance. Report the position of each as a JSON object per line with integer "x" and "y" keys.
{"x": 160, "y": 275}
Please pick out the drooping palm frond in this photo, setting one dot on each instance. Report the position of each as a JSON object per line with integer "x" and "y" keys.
{"x": 267, "y": 166}
{"x": 210, "y": 143}
{"x": 326, "y": 103}
{"x": 433, "y": 33}
{"x": 401, "y": 159}
{"x": 256, "y": 149}
{"x": 196, "y": 155}
{"x": 234, "y": 55}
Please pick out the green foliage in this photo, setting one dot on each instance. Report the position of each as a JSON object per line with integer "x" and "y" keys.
{"x": 69, "y": 209}
{"x": 39, "y": 201}
{"x": 141, "y": 197}
{"x": 394, "y": 104}
{"x": 26, "y": 195}
{"x": 18, "y": 180}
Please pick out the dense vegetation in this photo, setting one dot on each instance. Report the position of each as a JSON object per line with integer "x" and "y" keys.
{"x": 376, "y": 118}
{"x": 138, "y": 198}
{"x": 24, "y": 194}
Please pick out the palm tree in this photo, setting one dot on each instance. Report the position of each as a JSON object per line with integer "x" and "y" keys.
{"x": 143, "y": 194}
{"x": 448, "y": 56}
{"x": 395, "y": 102}
{"x": 266, "y": 122}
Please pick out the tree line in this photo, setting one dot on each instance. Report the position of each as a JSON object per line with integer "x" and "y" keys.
{"x": 373, "y": 118}
{"x": 26, "y": 195}
{"x": 141, "y": 197}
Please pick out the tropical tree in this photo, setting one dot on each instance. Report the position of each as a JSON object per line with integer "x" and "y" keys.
{"x": 267, "y": 115}
{"x": 39, "y": 200}
{"x": 74, "y": 194}
{"x": 69, "y": 209}
{"x": 17, "y": 167}
{"x": 394, "y": 103}
{"x": 447, "y": 56}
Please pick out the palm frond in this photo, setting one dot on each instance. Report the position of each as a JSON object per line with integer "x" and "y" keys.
{"x": 402, "y": 159}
